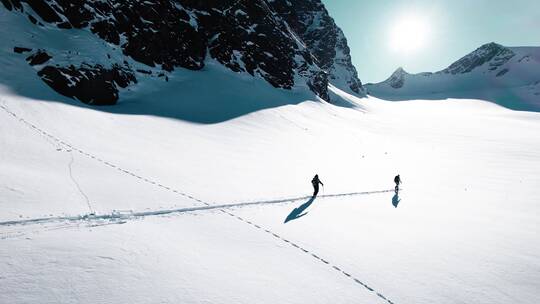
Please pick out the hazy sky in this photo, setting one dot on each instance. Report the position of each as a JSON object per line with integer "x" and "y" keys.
{"x": 439, "y": 32}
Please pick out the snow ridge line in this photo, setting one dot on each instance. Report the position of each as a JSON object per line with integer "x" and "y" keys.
{"x": 38, "y": 220}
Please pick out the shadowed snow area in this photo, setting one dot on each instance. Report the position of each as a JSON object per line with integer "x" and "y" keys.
{"x": 153, "y": 209}
{"x": 211, "y": 95}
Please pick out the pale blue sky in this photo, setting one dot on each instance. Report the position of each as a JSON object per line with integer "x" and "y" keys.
{"x": 454, "y": 28}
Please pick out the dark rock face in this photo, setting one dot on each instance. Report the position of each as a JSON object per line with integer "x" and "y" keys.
{"x": 397, "y": 79}
{"x": 246, "y": 37}
{"x": 319, "y": 83}
{"x": 94, "y": 85}
{"x": 20, "y": 50}
{"x": 10, "y": 5}
{"x": 275, "y": 40}
{"x": 44, "y": 10}
{"x": 156, "y": 32}
{"x": 324, "y": 39}
{"x": 502, "y": 72}
{"x": 492, "y": 52}
{"x": 40, "y": 57}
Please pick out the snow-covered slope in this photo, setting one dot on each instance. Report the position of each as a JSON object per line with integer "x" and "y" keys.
{"x": 94, "y": 51}
{"x": 101, "y": 207}
{"x": 508, "y": 76}
{"x": 195, "y": 187}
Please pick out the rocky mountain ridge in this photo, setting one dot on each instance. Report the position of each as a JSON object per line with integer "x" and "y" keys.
{"x": 508, "y": 76}
{"x": 286, "y": 43}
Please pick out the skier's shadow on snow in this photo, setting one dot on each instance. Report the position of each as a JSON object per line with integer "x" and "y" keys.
{"x": 396, "y": 200}
{"x": 298, "y": 212}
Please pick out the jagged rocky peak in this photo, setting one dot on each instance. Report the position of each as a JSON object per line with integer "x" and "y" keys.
{"x": 397, "y": 79}
{"x": 310, "y": 20}
{"x": 507, "y": 76}
{"x": 492, "y": 52}
{"x": 283, "y": 42}
{"x": 399, "y": 72}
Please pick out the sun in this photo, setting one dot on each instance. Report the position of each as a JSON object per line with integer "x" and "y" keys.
{"x": 409, "y": 34}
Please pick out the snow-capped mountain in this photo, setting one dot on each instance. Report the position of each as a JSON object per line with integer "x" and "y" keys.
{"x": 509, "y": 76}
{"x": 92, "y": 50}
{"x": 323, "y": 38}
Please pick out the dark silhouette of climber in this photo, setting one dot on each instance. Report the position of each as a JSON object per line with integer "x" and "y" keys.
{"x": 315, "y": 182}
{"x": 397, "y": 180}
{"x": 300, "y": 211}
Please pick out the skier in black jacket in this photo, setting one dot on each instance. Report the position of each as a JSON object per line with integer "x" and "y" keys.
{"x": 315, "y": 182}
{"x": 397, "y": 180}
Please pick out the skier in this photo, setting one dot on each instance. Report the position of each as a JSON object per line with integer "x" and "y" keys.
{"x": 397, "y": 180}
{"x": 315, "y": 182}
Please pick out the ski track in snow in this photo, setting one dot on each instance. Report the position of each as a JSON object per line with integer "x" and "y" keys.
{"x": 133, "y": 215}
{"x": 119, "y": 218}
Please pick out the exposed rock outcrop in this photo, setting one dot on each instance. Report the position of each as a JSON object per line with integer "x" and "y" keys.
{"x": 93, "y": 85}
{"x": 285, "y": 43}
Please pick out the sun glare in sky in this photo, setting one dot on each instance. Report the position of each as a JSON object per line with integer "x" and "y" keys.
{"x": 409, "y": 34}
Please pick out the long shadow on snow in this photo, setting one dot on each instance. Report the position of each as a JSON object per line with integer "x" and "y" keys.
{"x": 211, "y": 95}
{"x": 395, "y": 200}
{"x": 298, "y": 212}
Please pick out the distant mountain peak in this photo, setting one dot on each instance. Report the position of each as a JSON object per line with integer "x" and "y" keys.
{"x": 492, "y": 51}
{"x": 491, "y": 45}
{"x": 400, "y": 71}
{"x": 397, "y": 79}
{"x": 508, "y": 76}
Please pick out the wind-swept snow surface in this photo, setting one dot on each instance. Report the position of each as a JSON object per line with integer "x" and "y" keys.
{"x": 100, "y": 207}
